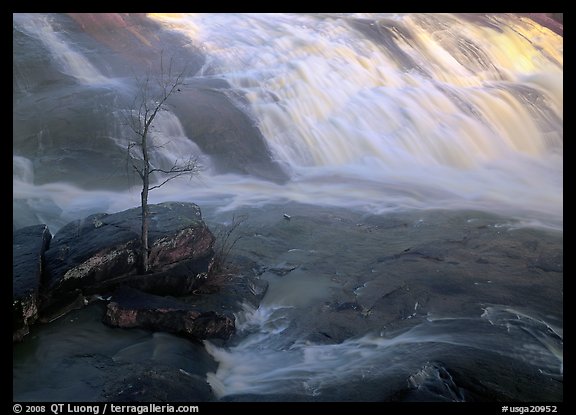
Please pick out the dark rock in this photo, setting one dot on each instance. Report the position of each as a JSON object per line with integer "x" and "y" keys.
{"x": 52, "y": 309}
{"x": 28, "y": 247}
{"x": 270, "y": 397}
{"x": 283, "y": 269}
{"x": 186, "y": 277}
{"x": 103, "y": 250}
{"x": 348, "y": 306}
{"x": 159, "y": 384}
{"x": 231, "y": 295}
{"x": 550, "y": 262}
{"x": 131, "y": 308}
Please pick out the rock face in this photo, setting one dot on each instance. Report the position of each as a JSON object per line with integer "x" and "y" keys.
{"x": 103, "y": 250}
{"x": 212, "y": 120}
{"x": 28, "y": 247}
{"x": 131, "y": 308}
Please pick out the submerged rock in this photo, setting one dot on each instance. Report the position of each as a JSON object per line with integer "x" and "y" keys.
{"x": 131, "y": 308}
{"x": 28, "y": 247}
{"x": 103, "y": 250}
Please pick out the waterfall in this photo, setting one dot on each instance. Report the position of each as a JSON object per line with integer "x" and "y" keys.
{"x": 376, "y": 112}
{"x": 446, "y": 112}
{"x": 71, "y": 61}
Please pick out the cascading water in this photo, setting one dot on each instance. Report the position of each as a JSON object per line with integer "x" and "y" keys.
{"x": 71, "y": 61}
{"x": 378, "y": 112}
{"x": 476, "y": 121}
{"x": 258, "y": 366}
{"x": 385, "y": 114}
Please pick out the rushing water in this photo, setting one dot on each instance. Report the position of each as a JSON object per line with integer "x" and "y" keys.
{"x": 370, "y": 111}
{"x": 380, "y": 113}
{"x": 341, "y": 322}
{"x": 256, "y": 366}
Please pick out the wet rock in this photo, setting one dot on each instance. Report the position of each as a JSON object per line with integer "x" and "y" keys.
{"x": 553, "y": 262}
{"x": 103, "y": 250}
{"x": 270, "y": 397}
{"x": 283, "y": 269}
{"x": 159, "y": 384}
{"x": 230, "y": 295}
{"x": 224, "y": 132}
{"x": 53, "y": 309}
{"x": 186, "y": 277}
{"x": 28, "y": 247}
{"x": 131, "y": 308}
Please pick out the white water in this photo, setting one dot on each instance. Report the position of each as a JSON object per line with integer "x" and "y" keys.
{"x": 478, "y": 126}
{"x": 70, "y": 60}
{"x": 261, "y": 364}
{"x": 168, "y": 146}
{"x": 354, "y": 128}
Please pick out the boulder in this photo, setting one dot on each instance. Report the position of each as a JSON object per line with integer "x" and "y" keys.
{"x": 28, "y": 247}
{"x": 131, "y": 308}
{"x": 102, "y": 251}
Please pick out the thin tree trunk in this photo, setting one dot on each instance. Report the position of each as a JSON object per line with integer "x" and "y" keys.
{"x": 144, "y": 235}
{"x": 144, "y": 194}
{"x": 141, "y": 125}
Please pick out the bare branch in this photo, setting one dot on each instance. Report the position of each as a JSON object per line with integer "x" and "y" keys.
{"x": 191, "y": 166}
{"x": 168, "y": 179}
{"x": 139, "y": 171}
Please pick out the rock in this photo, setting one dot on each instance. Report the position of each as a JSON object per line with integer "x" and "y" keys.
{"x": 158, "y": 384}
{"x": 283, "y": 268}
{"x": 28, "y": 247}
{"x": 52, "y": 309}
{"x": 131, "y": 308}
{"x": 223, "y": 131}
{"x": 231, "y": 296}
{"x": 184, "y": 278}
{"x": 102, "y": 251}
{"x": 271, "y": 397}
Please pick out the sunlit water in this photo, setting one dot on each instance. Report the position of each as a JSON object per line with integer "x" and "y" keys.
{"x": 380, "y": 113}
{"x": 377, "y": 112}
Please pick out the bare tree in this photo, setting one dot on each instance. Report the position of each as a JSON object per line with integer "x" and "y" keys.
{"x": 153, "y": 94}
